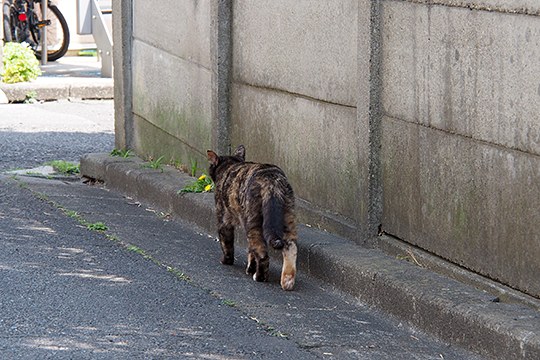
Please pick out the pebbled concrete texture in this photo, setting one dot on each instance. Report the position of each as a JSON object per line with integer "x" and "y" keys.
{"x": 453, "y": 311}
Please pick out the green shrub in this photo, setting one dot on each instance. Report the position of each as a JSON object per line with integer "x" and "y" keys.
{"x": 20, "y": 63}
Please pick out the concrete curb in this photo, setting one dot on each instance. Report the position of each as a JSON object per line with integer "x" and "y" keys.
{"x": 55, "y": 88}
{"x": 451, "y": 310}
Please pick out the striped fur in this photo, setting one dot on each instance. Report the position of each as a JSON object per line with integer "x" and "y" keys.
{"x": 259, "y": 198}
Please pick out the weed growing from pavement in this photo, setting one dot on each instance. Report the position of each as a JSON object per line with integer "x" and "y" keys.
{"x": 112, "y": 238}
{"x": 65, "y": 167}
{"x": 203, "y": 184}
{"x": 410, "y": 258}
{"x": 72, "y": 214}
{"x": 125, "y": 153}
{"x": 33, "y": 173}
{"x": 30, "y": 97}
{"x": 155, "y": 164}
{"x": 270, "y": 329}
{"x": 136, "y": 250}
{"x": 179, "y": 274}
{"x": 97, "y": 226}
{"x": 22, "y": 184}
{"x": 228, "y": 302}
{"x": 194, "y": 168}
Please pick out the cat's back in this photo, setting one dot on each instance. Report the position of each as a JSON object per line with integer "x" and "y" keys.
{"x": 249, "y": 178}
{"x": 248, "y": 172}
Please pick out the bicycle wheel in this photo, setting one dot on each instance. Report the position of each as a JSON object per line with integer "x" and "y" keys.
{"x": 57, "y": 33}
{"x": 8, "y": 36}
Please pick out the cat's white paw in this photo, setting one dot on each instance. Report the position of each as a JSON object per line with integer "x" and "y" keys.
{"x": 287, "y": 283}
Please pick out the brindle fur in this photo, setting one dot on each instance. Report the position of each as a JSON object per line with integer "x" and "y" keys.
{"x": 259, "y": 198}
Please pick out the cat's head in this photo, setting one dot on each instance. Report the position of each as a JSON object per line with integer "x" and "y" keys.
{"x": 219, "y": 163}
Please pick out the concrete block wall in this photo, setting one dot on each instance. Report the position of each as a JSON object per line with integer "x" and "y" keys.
{"x": 419, "y": 116}
{"x": 294, "y": 94}
{"x": 171, "y": 79}
{"x": 461, "y": 134}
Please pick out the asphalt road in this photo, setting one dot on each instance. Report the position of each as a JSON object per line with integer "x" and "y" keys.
{"x": 152, "y": 287}
{"x": 33, "y": 134}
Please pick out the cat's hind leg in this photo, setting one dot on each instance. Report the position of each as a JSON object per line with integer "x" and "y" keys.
{"x": 226, "y": 239}
{"x": 258, "y": 260}
{"x": 289, "y": 252}
{"x": 288, "y": 273}
{"x": 251, "y": 264}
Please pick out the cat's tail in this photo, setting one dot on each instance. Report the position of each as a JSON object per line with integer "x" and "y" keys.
{"x": 273, "y": 221}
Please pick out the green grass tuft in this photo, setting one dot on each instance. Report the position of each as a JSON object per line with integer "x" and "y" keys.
{"x": 97, "y": 226}
{"x": 64, "y": 167}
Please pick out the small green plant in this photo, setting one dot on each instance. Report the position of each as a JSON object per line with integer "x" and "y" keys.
{"x": 228, "y": 302}
{"x": 97, "y": 226}
{"x": 194, "y": 168}
{"x": 203, "y": 184}
{"x": 72, "y": 214}
{"x": 124, "y": 153}
{"x": 65, "y": 167}
{"x": 30, "y": 97}
{"x": 180, "y": 275}
{"x": 270, "y": 329}
{"x": 20, "y": 63}
{"x": 155, "y": 164}
{"x": 113, "y": 238}
{"x": 136, "y": 250}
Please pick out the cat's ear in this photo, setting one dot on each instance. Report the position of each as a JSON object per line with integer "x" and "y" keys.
{"x": 212, "y": 157}
{"x": 240, "y": 152}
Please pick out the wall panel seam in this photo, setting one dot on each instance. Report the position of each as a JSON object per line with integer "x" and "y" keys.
{"x": 291, "y": 93}
{"x": 476, "y": 5}
{"x": 448, "y": 132}
{"x": 171, "y": 54}
{"x": 171, "y": 135}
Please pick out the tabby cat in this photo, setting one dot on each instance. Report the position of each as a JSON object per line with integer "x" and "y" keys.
{"x": 259, "y": 198}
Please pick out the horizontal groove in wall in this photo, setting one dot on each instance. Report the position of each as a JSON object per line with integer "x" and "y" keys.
{"x": 183, "y": 141}
{"x": 286, "y": 92}
{"x": 189, "y": 61}
{"x": 485, "y": 142}
{"x": 508, "y": 7}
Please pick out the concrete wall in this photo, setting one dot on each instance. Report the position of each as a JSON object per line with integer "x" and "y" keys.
{"x": 419, "y": 116}
{"x": 461, "y": 135}
{"x": 171, "y": 79}
{"x": 294, "y": 90}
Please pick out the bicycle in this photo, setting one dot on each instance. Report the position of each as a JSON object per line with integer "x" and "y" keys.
{"x": 23, "y": 22}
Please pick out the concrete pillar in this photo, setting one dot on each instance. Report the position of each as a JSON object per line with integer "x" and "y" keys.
{"x": 369, "y": 118}
{"x": 123, "y": 88}
{"x": 221, "y": 48}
